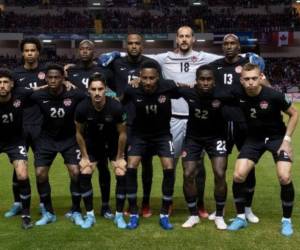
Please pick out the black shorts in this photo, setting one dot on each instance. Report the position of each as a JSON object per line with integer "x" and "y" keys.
{"x": 162, "y": 146}
{"x": 149, "y": 154}
{"x": 14, "y": 148}
{"x": 31, "y": 134}
{"x": 97, "y": 152}
{"x": 236, "y": 135}
{"x": 254, "y": 148}
{"x": 47, "y": 149}
{"x": 193, "y": 148}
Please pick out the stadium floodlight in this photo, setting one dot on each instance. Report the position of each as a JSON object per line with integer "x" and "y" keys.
{"x": 197, "y": 3}
{"x": 201, "y": 40}
{"x": 98, "y": 41}
{"x": 297, "y": 1}
{"x": 47, "y": 41}
{"x": 96, "y": 4}
{"x": 150, "y": 41}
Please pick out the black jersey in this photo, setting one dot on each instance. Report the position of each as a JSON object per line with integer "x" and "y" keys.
{"x": 58, "y": 112}
{"x": 30, "y": 79}
{"x": 227, "y": 76}
{"x": 79, "y": 75}
{"x": 11, "y": 114}
{"x": 125, "y": 71}
{"x": 205, "y": 113}
{"x": 263, "y": 112}
{"x": 152, "y": 111}
{"x": 99, "y": 126}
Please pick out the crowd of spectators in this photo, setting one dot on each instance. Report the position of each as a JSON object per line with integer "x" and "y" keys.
{"x": 66, "y": 22}
{"x": 117, "y": 21}
{"x": 45, "y": 3}
{"x": 247, "y": 3}
{"x": 283, "y": 73}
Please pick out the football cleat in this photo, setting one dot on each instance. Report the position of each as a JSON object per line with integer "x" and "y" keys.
{"x": 164, "y": 222}
{"x": 89, "y": 221}
{"x": 237, "y": 224}
{"x": 119, "y": 221}
{"x": 191, "y": 221}
{"x": 77, "y": 218}
{"x": 46, "y": 219}
{"x": 15, "y": 209}
{"x": 26, "y": 222}
{"x": 133, "y": 222}
{"x": 286, "y": 228}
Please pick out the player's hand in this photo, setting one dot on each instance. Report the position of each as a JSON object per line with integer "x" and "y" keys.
{"x": 287, "y": 148}
{"x": 119, "y": 167}
{"x": 184, "y": 85}
{"x": 105, "y": 59}
{"x": 69, "y": 86}
{"x": 85, "y": 163}
{"x": 135, "y": 83}
{"x": 66, "y": 67}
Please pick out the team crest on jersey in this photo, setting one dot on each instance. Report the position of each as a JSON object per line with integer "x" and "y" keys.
{"x": 264, "y": 104}
{"x": 215, "y": 103}
{"x": 108, "y": 119}
{"x": 41, "y": 75}
{"x": 162, "y": 99}
{"x": 238, "y": 69}
{"x": 17, "y": 103}
{"x": 194, "y": 59}
{"x": 67, "y": 102}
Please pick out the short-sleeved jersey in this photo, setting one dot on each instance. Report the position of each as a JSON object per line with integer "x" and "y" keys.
{"x": 11, "y": 114}
{"x": 79, "y": 75}
{"x": 227, "y": 76}
{"x": 152, "y": 111}
{"x": 100, "y": 126}
{"x": 205, "y": 113}
{"x": 263, "y": 112}
{"x": 125, "y": 71}
{"x": 58, "y": 112}
{"x": 182, "y": 68}
{"x": 30, "y": 79}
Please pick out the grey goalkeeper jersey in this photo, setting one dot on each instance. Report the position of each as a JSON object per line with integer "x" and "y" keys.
{"x": 182, "y": 69}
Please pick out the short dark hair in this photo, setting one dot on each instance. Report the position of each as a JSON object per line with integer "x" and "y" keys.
{"x": 150, "y": 65}
{"x": 5, "y": 72}
{"x": 55, "y": 66}
{"x": 204, "y": 67}
{"x": 134, "y": 33}
{"x": 97, "y": 77}
{"x": 250, "y": 66}
{"x": 32, "y": 40}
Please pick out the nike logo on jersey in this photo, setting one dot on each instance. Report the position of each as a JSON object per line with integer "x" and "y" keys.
{"x": 220, "y": 67}
{"x": 139, "y": 100}
{"x": 45, "y": 101}
{"x": 241, "y": 100}
{"x": 22, "y": 79}
{"x": 122, "y": 69}
{"x": 75, "y": 75}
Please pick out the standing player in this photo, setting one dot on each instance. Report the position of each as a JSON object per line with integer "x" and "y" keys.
{"x": 205, "y": 131}
{"x": 262, "y": 107}
{"x": 12, "y": 102}
{"x": 151, "y": 132}
{"x": 126, "y": 69}
{"x": 31, "y": 74}
{"x": 228, "y": 71}
{"x": 181, "y": 67}
{"x": 79, "y": 75}
{"x": 97, "y": 119}
{"x": 57, "y": 135}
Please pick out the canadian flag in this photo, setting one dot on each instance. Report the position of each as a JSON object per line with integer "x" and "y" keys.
{"x": 283, "y": 38}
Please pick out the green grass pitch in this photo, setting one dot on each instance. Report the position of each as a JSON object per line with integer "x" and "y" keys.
{"x": 104, "y": 235}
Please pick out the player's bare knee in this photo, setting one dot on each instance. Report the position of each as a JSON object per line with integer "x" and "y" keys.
{"x": 238, "y": 177}
{"x": 285, "y": 179}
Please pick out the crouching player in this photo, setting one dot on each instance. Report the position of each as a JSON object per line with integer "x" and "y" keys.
{"x": 262, "y": 107}
{"x": 12, "y": 102}
{"x": 101, "y": 135}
